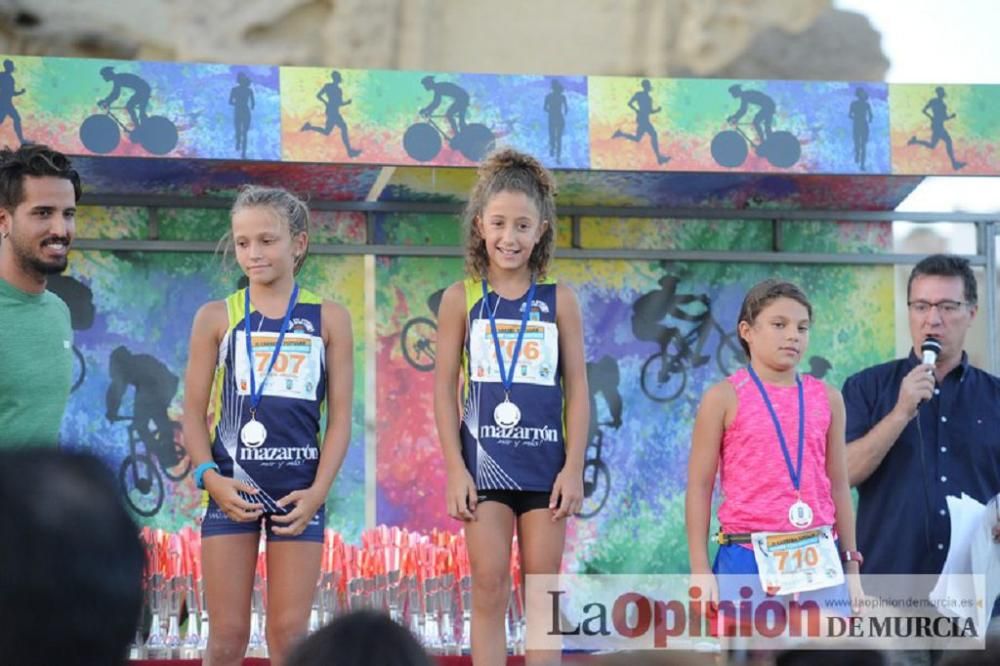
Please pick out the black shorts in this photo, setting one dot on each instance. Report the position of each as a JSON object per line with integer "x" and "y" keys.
{"x": 519, "y": 501}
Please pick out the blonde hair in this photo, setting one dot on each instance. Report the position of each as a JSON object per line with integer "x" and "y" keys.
{"x": 508, "y": 170}
{"x": 285, "y": 205}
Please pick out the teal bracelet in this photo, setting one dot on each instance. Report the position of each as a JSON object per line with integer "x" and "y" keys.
{"x": 199, "y": 473}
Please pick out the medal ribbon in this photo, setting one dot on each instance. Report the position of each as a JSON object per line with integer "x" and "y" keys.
{"x": 255, "y": 395}
{"x": 508, "y": 381}
{"x": 794, "y": 472}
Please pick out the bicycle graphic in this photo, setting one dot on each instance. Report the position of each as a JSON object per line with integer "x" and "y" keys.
{"x": 664, "y": 374}
{"x": 101, "y": 132}
{"x": 422, "y": 140}
{"x": 80, "y": 371}
{"x": 596, "y": 476}
{"x": 419, "y": 337}
{"x": 80, "y": 301}
{"x": 603, "y": 379}
{"x": 140, "y": 475}
{"x": 731, "y": 147}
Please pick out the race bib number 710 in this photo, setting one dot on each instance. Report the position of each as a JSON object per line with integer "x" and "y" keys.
{"x": 790, "y": 562}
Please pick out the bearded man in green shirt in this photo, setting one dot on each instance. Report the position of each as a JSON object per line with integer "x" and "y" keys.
{"x": 38, "y": 194}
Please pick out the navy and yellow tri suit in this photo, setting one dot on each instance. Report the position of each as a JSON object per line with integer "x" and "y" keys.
{"x": 294, "y": 400}
{"x": 525, "y": 458}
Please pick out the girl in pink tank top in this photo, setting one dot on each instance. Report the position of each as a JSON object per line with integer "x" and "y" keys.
{"x": 776, "y": 439}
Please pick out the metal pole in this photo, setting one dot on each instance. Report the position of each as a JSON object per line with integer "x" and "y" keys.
{"x": 989, "y": 250}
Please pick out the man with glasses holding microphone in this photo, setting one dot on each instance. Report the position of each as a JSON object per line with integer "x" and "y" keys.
{"x": 922, "y": 428}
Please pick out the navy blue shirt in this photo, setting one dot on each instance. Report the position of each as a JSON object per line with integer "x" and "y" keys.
{"x": 904, "y": 498}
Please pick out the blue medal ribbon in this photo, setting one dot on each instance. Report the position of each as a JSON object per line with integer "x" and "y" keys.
{"x": 794, "y": 472}
{"x": 508, "y": 378}
{"x": 255, "y": 395}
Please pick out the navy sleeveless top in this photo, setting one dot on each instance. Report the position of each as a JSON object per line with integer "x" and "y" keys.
{"x": 292, "y": 405}
{"x": 529, "y": 455}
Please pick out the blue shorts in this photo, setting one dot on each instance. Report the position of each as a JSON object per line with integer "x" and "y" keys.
{"x": 217, "y": 523}
{"x": 736, "y": 568}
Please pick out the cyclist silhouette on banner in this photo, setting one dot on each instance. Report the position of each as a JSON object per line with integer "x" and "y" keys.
{"x": 418, "y": 338}
{"x": 603, "y": 378}
{"x": 664, "y": 373}
{"x": 422, "y": 141}
{"x": 764, "y": 117}
{"x": 650, "y": 309}
{"x": 459, "y": 101}
{"x": 155, "y": 387}
{"x": 101, "y": 132}
{"x": 137, "y": 104}
{"x": 80, "y": 301}
{"x": 730, "y": 148}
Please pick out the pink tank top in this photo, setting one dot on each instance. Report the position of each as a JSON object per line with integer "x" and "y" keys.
{"x": 757, "y": 489}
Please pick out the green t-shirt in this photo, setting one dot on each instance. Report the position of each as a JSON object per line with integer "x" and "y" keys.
{"x": 36, "y": 366}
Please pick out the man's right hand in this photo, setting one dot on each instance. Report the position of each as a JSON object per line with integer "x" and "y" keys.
{"x": 916, "y": 387}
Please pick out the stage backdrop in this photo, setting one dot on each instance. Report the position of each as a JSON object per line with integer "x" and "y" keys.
{"x": 132, "y": 312}
{"x": 641, "y": 421}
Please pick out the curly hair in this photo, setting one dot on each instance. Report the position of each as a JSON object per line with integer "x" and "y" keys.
{"x": 508, "y": 170}
{"x": 763, "y": 294}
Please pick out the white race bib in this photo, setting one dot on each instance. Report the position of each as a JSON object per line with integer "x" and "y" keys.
{"x": 790, "y": 562}
{"x": 296, "y": 372}
{"x": 537, "y": 361}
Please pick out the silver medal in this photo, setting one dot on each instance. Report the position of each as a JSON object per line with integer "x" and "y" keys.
{"x": 253, "y": 433}
{"x": 800, "y": 514}
{"x": 506, "y": 414}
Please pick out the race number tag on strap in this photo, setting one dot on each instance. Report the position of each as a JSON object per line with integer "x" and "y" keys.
{"x": 296, "y": 371}
{"x": 790, "y": 562}
{"x": 537, "y": 362}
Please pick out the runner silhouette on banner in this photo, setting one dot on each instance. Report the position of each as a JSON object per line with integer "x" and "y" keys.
{"x": 642, "y": 104}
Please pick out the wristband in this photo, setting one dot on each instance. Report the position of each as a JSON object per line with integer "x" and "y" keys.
{"x": 199, "y": 473}
{"x": 852, "y": 556}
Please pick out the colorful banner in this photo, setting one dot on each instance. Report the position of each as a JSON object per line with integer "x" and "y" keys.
{"x": 380, "y": 117}
{"x": 426, "y": 118}
{"x": 143, "y": 109}
{"x": 719, "y": 125}
{"x": 946, "y": 130}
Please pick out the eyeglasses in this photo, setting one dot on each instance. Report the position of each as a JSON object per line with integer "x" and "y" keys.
{"x": 946, "y": 307}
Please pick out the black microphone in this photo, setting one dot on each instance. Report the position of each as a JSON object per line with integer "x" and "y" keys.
{"x": 930, "y": 350}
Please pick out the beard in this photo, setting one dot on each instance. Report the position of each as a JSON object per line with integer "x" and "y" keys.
{"x": 34, "y": 264}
